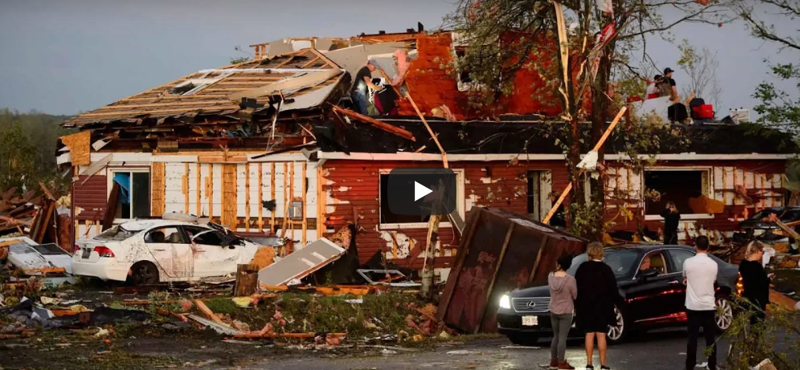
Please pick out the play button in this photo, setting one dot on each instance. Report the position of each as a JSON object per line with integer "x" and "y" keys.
{"x": 420, "y": 191}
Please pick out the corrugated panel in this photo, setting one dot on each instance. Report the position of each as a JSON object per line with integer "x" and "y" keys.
{"x": 91, "y": 197}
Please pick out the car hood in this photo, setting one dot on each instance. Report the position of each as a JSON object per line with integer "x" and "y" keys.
{"x": 757, "y": 224}
{"x": 536, "y": 291}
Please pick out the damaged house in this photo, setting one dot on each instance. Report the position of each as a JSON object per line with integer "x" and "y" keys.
{"x": 268, "y": 147}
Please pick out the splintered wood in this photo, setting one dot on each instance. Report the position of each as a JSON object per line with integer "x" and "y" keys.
{"x": 158, "y": 189}
{"x": 79, "y": 147}
{"x": 229, "y": 192}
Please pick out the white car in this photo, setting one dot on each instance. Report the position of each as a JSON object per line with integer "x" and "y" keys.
{"x": 152, "y": 251}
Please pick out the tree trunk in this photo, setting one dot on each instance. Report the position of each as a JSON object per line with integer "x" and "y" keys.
{"x": 246, "y": 280}
{"x": 430, "y": 250}
{"x": 599, "y": 118}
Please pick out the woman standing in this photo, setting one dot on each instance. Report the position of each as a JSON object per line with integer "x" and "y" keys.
{"x": 671, "y": 219}
{"x": 563, "y": 292}
{"x": 597, "y": 294}
{"x": 756, "y": 281}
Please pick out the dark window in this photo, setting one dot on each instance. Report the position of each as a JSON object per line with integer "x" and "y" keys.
{"x": 201, "y": 235}
{"x": 675, "y": 186}
{"x": 387, "y": 217}
{"x": 134, "y": 194}
{"x": 678, "y": 257}
{"x": 463, "y": 74}
{"x": 171, "y": 235}
{"x": 534, "y": 194}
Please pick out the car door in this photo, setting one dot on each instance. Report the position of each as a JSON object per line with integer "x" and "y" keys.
{"x": 677, "y": 257}
{"x": 210, "y": 257}
{"x": 170, "y": 251}
{"x": 648, "y": 297}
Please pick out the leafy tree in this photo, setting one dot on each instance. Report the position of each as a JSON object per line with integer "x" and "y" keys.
{"x": 28, "y": 149}
{"x": 503, "y": 37}
{"x": 777, "y": 107}
{"x": 239, "y": 60}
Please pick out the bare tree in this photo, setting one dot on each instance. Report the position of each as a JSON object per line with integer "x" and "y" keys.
{"x": 701, "y": 67}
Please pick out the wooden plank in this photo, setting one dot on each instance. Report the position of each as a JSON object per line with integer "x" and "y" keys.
{"x": 247, "y": 197}
{"x": 207, "y": 311}
{"x": 291, "y": 197}
{"x": 229, "y": 196}
{"x": 111, "y": 207}
{"x": 199, "y": 190}
{"x": 272, "y": 195}
{"x": 303, "y": 189}
{"x": 158, "y": 189}
{"x": 172, "y": 104}
{"x": 494, "y": 276}
{"x": 260, "y": 199}
{"x": 186, "y": 188}
{"x": 285, "y": 217}
{"x": 378, "y": 124}
{"x": 321, "y": 202}
{"x": 208, "y": 107}
{"x": 210, "y": 191}
{"x": 310, "y": 63}
{"x": 47, "y": 191}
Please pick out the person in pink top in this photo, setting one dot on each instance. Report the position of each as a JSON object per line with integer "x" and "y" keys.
{"x": 563, "y": 292}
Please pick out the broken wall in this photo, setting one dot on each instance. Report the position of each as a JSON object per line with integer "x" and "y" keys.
{"x": 759, "y": 180}
{"x": 352, "y": 190}
{"x": 230, "y": 191}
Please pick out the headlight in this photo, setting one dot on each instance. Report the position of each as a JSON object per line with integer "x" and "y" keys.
{"x": 505, "y": 302}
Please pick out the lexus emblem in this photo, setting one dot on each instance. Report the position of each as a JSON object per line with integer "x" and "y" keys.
{"x": 531, "y": 304}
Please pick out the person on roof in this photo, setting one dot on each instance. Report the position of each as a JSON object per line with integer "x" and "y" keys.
{"x": 667, "y": 85}
{"x": 651, "y": 91}
{"x": 361, "y": 85}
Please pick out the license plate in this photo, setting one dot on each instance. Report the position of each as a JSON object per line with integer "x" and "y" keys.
{"x": 86, "y": 253}
{"x": 530, "y": 320}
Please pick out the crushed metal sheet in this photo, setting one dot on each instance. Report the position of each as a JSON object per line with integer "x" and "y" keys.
{"x": 365, "y": 274}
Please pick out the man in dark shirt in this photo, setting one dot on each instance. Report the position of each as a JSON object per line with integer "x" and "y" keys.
{"x": 667, "y": 85}
{"x": 361, "y": 84}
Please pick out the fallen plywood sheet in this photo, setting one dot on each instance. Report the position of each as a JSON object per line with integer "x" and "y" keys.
{"x": 300, "y": 263}
{"x": 95, "y": 168}
{"x": 704, "y": 204}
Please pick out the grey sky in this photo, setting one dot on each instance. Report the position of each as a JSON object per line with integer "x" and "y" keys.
{"x": 65, "y": 56}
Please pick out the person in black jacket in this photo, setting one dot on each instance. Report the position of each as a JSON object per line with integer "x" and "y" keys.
{"x": 671, "y": 219}
{"x": 597, "y": 295}
{"x": 756, "y": 281}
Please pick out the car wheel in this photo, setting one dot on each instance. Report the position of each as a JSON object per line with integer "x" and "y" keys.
{"x": 620, "y": 330}
{"x": 723, "y": 317}
{"x": 144, "y": 273}
{"x": 521, "y": 339}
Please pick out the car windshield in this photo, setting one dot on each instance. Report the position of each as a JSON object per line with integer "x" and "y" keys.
{"x": 621, "y": 261}
{"x": 784, "y": 215}
{"x": 117, "y": 233}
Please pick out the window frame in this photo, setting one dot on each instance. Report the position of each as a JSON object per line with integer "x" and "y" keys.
{"x": 460, "y": 204}
{"x": 130, "y": 170}
{"x": 158, "y": 228}
{"x": 707, "y": 191}
{"x": 672, "y": 261}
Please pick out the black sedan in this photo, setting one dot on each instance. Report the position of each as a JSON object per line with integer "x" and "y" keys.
{"x": 653, "y": 297}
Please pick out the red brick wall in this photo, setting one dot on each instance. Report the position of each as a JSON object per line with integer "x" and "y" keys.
{"x": 432, "y": 83}
{"x": 357, "y": 182}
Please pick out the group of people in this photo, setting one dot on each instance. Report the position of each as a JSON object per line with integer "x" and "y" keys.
{"x": 593, "y": 294}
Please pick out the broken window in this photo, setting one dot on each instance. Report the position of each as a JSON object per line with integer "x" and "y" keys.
{"x": 389, "y": 219}
{"x": 464, "y": 76}
{"x": 201, "y": 235}
{"x": 171, "y": 235}
{"x": 677, "y": 186}
{"x": 134, "y": 194}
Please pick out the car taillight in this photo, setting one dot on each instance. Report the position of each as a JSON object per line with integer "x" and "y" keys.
{"x": 739, "y": 285}
{"x": 104, "y": 252}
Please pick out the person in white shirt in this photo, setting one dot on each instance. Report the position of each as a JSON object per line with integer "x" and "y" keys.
{"x": 699, "y": 276}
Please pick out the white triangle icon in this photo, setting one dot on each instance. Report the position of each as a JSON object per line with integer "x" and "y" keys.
{"x": 420, "y": 191}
